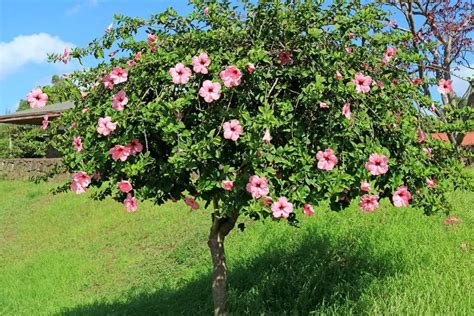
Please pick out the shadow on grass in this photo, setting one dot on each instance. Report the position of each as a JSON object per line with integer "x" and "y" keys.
{"x": 319, "y": 274}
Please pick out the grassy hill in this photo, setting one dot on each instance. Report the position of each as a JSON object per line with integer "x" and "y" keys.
{"x": 69, "y": 255}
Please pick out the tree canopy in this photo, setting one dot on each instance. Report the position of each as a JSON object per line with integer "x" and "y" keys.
{"x": 263, "y": 110}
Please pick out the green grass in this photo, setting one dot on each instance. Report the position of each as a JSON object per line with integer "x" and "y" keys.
{"x": 69, "y": 255}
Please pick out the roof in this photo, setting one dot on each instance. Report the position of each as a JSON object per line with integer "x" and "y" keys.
{"x": 35, "y": 116}
{"x": 467, "y": 141}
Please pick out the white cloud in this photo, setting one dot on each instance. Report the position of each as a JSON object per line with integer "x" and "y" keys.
{"x": 83, "y": 5}
{"x": 25, "y": 49}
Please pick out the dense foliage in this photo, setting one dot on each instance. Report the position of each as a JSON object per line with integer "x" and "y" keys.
{"x": 306, "y": 77}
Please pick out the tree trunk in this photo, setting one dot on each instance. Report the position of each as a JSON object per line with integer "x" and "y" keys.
{"x": 219, "y": 230}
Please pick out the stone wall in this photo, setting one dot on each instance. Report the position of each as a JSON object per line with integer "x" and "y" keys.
{"x": 23, "y": 168}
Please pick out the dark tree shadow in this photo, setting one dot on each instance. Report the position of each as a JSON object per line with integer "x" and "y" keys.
{"x": 319, "y": 273}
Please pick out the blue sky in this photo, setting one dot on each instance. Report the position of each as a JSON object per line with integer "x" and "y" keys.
{"x": 31, "y": 28}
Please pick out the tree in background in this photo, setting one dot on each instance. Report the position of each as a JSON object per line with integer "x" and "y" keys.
{"x": 443, "y": 31}
{"x": 259, "y": 110}
{"x": 22, "y": 142}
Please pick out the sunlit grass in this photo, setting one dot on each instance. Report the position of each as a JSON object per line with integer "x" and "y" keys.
{"x": 68, "y": 254}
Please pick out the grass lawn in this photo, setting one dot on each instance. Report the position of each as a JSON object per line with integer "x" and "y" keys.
{"x": 69, "y": 255}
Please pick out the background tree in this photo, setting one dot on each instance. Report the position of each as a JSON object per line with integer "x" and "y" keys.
{"x": 443, "y": 31}
{"x": 261, "y": 110}
{"x": 20, "y": 141}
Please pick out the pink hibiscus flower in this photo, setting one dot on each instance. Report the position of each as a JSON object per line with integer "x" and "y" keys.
{"x": 282, "y": 208}
{"x": 346, "y": 111}
{"x": 37, "y": 99}
{"x": 80, "y": 181}
{"x": 369, "y": 203}
{"x": 257, "y": 186}
{"x": 96, "y": 176}
{"x": 232, "y": 130}
{"x": 180, "y": 74}
{"x": 326, "y": 159}
{"x": 416, "y": 81}
{"x": 348, "y": 50}
{"x": 109, "y": 28}
{"x": 106, "y": 126}
{"x": 65, "y": 56}
{"x": 135, "y": 147}
{"x": 390, "y": 53}
{"x": 191, "y": 202}
{"x": 377, "y": 164}
{"x": 124, "y": 186}
{"x": 77, "y": 143}
{"x": 227, "y": 184}
{"x": 250, "y": 68}
{"x": 365, "y": 186}
{"x": 308, "y": 209}
{"x": 362, "y": 83}
{"x": 266, "y": 137}
{"x": 81, "y": 178}
{"x": 75, "y": 187}
{"x": 401, "y": 197}
{"x": 45, "y": 122}
{"x": 151, "y": 38}
{"x": 108, "y": 82}
{"x": 131, "y": 203}
{"x": 452, "y": 219}
{"x": 131, "y": 63}
{"x": 119, "y": 152}
{"x": 119, "y": 100}
{"x": 323, "y": 105}
{"x": 118, "y": 75}
{"x": 201, "y": 63}
{"x": 445, "y": 86}
{"x": 231, "y": 76}
{"x": 431, "y": 183}
{"x": 138, "y": 56}
{"x": 210, "y": 91}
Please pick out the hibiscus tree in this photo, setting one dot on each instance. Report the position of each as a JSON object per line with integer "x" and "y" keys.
{"x": 237, "y": 121}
